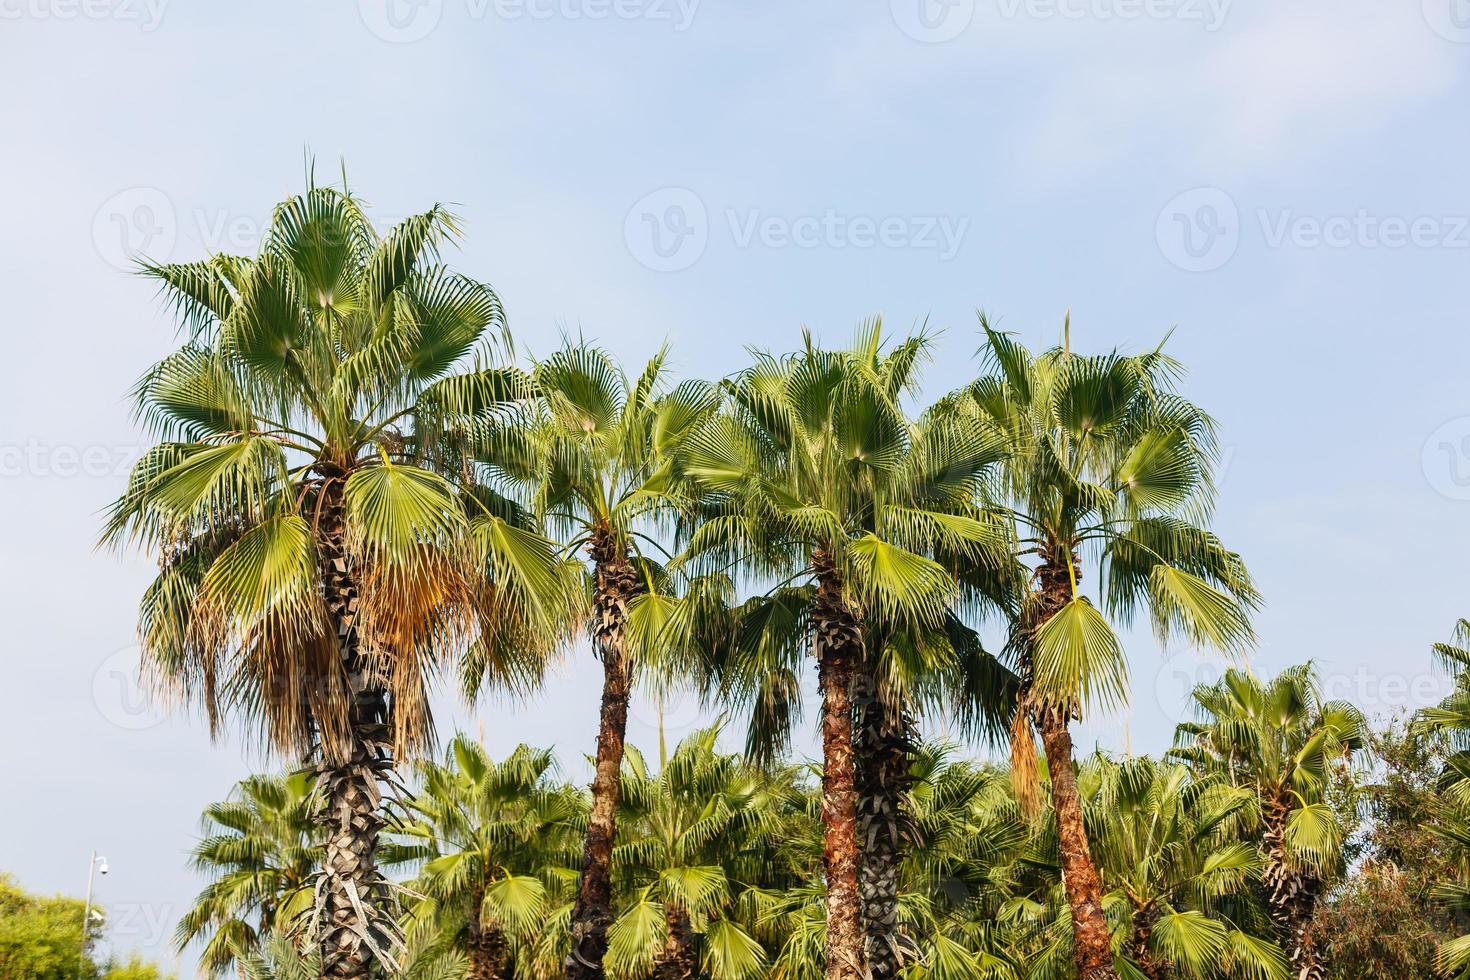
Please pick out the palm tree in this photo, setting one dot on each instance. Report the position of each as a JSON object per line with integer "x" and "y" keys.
{"x": 1168, "y": 845}
{"x": 972, "y": 854}
{"x": 489, "y": 837}
{"x": 595, "y": 451}
{"x": 1101, "y": 459}
{"x": 814, "y": 480}
{"x": 260, "y": 850}
{"x": 1286, "y": 744}
{"x": 318, "y": 561}
{"x": 697, "y": 834}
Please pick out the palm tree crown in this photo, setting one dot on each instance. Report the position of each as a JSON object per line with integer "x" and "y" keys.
{"x": 817, "y": 480}
{"x": 496, "y": 842}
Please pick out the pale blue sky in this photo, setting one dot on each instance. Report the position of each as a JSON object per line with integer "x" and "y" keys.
{"x": 1283, "y": 181}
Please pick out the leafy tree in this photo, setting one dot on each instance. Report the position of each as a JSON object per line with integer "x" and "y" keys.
{"x": 41, "y": 938}
{"x": 134, "y": 968}
{"x": 1101, "y": 459}
{"x": 319, "y": 555}
{"x": 493, "y": 840}
{"x": 1384, "y": 919}
{"x": 595, "y": 451}
{"x": 813, "y": 480}
{"x": 1450, "y": 719}
{"x": 260, "y": 851}
{"x": 1286, "y": 744}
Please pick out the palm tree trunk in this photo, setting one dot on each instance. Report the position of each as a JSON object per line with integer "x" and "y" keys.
{"x": 617, "y": 583}
{"x": 1092, "y": 946}
{"x": 355, "y": 928}
{"x": 1152, "y": 966}
{"x": 677, "y": 961}
{"x": 837, "y": 642}
{"x": 1091, "y": 940}
{"x": 885, "y": 746}
{"x": 488, "y": 949}
{"x": 1291, "y": 892}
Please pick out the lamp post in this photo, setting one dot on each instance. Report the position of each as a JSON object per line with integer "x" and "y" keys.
{"x": 98, "y": 864}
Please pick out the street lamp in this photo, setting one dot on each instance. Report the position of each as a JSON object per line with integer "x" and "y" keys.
{"x": 97, "y": 865}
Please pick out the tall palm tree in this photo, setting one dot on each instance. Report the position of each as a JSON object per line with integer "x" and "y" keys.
{"x": 595, "y": 451}
{"x": 319, "y": 557}
{"x": 1103, "y": 461}
{"x": 488, "y": 836}
{"x": 259, "y": 850}
{"x": 1286, "y": 744}
{"x": 815, "y": 480}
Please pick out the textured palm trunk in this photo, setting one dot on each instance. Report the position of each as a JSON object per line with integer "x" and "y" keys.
{"x": 885, "y": 745}
{"x": 354, "y": 926}
{"x": 1291, "y": 893}
{"x": 1153, "y": 967}
{"x": 837, "y": 642}
{"x": 677, "y": 961}
{"x": 617, "y": 583}
{"x": 1091, "y": 941}
{"x": 489, "y": 952}
{"x": 1092, "y": 945}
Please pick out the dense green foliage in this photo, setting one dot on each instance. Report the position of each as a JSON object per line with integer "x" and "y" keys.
{"x": 41, "y": 939}
{"x": 719, "y": 864}
{"x": 358, "y": 488}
